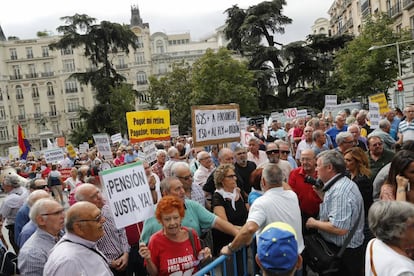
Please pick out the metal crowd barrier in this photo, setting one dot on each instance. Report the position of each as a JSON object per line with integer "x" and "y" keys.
{"x": 210, "y": 269}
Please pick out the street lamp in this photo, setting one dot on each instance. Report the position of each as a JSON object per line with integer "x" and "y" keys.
{"x": 397, "y": 46}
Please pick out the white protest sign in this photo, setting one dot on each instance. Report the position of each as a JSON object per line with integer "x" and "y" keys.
{"x": 301, "y": 113}
{"x": 245, "y": 136}
{"x": 116, "y": 138}
{"x": 215, "y": 124}
{"x": 128, "y": 194}
{"x": 374, "y": 114}
{"x": 14, "y": 153}
{"x": 330, "y": 102}
{"x": 290, "y": 113}
{"x": 150, "y": 151}
{"x": 102, "y": 144}
{"x": 243, "y": 123}
{"x": 83, "y": 148}
{"x": 174, "y": 131}
{"x": 54, "y": 156}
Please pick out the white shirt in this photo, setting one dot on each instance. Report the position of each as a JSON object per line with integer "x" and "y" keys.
{"x": 201, "y": 175}
{"x": 258, "y": 161}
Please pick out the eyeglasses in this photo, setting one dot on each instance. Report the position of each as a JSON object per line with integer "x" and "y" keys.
{"x": 205, "y": 158}
{"x": 348, "y": 142}
{"x": 97, "y": 219}
{"x": 272, "y": 151}
{"x": 242, "y": 152}
{"x": 230, "y": 176}
{"x": 58, "y": 212}
{"x": 42, "y": 187}
{"x": 185, "y": 177}
{"x": 284, "y": 151}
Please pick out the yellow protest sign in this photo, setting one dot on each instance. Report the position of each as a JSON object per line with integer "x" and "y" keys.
{"x": 148, "y": 125}
{"x": 381, "y": 100}
{"x": 71, "y": 151}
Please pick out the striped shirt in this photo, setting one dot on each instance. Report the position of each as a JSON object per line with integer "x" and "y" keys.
{"x": 407, "y": 130}
{"x": 114, "y": 243}
{"x": 341, "y": 206}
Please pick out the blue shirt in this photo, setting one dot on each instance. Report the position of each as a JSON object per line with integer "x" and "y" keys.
{"x": 333, "y": 131}
{"x": 22, "y": 217}
{"x": 26, "y": 233}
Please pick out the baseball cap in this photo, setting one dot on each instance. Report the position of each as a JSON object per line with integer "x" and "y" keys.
{"x": 277, "y": 248}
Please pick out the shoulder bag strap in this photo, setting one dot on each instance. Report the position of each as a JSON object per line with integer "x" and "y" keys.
{"x": 371, "y": 259}
{"x": 191, "y": 237}
{"x": 350, "y": 235}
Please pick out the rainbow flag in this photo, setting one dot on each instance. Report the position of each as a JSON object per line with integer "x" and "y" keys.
{"x": 24, "y": 145}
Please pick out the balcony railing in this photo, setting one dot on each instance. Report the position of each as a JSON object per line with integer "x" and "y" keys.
{"x": 31, "y": 76}
{"x": 16, "y": 77}
{"x": 395, "y": 10}
{"x": 52, "y": 113}
{"x": 142, "y": 82}
{"x": 121, "y": 66}
{"x": 37, "y": 115}
{"x": 71, "y": 90}
{"x": 47, "y": 74}
{"x": 21, "y": 117}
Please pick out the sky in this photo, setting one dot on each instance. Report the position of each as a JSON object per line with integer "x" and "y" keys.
{"x": 24, "y": 18}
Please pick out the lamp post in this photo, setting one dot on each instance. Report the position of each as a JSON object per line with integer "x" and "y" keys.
{"x": 399, "y": 97}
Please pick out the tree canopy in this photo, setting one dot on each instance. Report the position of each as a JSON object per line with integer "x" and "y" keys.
{"x": 98, "y": 42}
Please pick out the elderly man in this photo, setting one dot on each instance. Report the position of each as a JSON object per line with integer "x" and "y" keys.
{"x": 159, "y": 165}
{"x": 378, "y": 156}
{"x": 30, "y": 227}
{"x": 306, "y": 143}
{"x": 204, "y": 170}
{"x": 345, "y": 141}
{"x": 384, "y": 133}
{"x": 255, "y": 154}
{"x": 308, "y": 199}
{"x": 284, "y": 153}
{"x": 319, "y": 141}
{"x": 340, "y": 209}
{"x": 22, "y": 216}
{"x": 174, "y": 156}
{"x": 49, "y": 217}
{"x": 243, "y": 167}
{"x": 16, "y": 196}
{"x": 273, "y": 152}
{"x": 181, "y": 170}
{"x": 361, "y": 120}
{"x": 114, "y": 244}
{"x": 276, "y": 204}
{"x": 406, "y": 127}
{"x": 394, "y": 121}
{"x": 337, "y": 128}
{"x": 196, "y": 216}
{"x": 130, "y": 156}
{"x": 360, "y": 142}
{"x": 76, "y": 252}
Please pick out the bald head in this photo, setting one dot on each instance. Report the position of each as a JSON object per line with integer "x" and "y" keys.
{"x": 90, "y": 193}
{"x": 226, "y": 156}
{"x": 36, "y": 195}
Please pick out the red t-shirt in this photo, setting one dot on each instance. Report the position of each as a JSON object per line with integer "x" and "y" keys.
{"x": 170, "y": 256}
{"x": 308, "y": 199}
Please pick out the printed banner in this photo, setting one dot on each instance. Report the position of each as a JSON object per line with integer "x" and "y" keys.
{"x": 148, "y": 125}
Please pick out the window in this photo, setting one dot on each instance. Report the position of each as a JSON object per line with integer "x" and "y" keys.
{"x": 2, "y": 113}
{"x": 159, "y": 49}
{"x": 19, "y": 92}
{"x": 68, "y": 65}
{"x": 162, "y": 68}
{"x": 47, "y": 69}
{"x": 37, "y": 112}
{"x": 67, "y": 51}
{"x": 55, "y": 127}
{"x": 140, "y": 58}
{"x": 139, "y": 41}
{"x": 16, "y": 70}
{"x": 4, "y": 133}
{"x": 121, "y": 63}
{"x": 141, "y": 78}
{"x": 73, "y": 105}
{"x": 50, "y": 91}
{"x": 32, "y": 71}
{"x": 71, "y": 86}
{"x": 13, "y": 54}
{"x": 29, "y": 52}
{"x": 75, "y": 123}
{"x": 22, "y": 112}
{"x": 35, "y": 91}
{"x": 52, "y": 107}
{"x": 45, "y": 51}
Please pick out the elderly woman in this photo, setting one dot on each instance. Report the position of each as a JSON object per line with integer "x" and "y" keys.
{"x": 173, "y": 249}
{"x": 390, "y": 253}
{"x": 228, "y": 204}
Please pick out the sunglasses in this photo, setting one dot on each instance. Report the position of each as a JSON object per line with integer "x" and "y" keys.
{"x": 272, "y": 151}
{"x": 284, "y": 151}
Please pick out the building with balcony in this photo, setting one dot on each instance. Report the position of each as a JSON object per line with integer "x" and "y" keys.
{"x": 37, "y": 92}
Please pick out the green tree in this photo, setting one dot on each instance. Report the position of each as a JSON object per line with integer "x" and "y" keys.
{"x": 220, "y": 79}
{"x": 174, "y": 91}
{"x": 98, "y": 42}
{"x": 361, "y": 72}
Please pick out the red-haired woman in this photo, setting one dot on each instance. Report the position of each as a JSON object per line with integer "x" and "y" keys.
{"x": 172, "y": 249}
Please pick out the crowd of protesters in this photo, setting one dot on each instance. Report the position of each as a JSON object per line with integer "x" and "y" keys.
{"x": 319, "y": 173}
